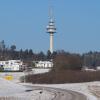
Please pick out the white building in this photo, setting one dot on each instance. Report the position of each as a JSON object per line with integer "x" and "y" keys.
{"x": 98, "y": 68}
{"x": 44, "y": 64}
{"x": 85, "y": 68}
{"x": 11, "y": 65}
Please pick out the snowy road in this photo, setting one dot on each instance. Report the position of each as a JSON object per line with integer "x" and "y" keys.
{"x": 58, "y": 94}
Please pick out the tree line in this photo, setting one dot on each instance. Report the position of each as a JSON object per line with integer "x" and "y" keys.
{"x": 61, "y": 58}
{"x": 7, "y": 53}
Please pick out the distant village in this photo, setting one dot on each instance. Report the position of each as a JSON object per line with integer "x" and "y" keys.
{"x": 18, "y": 65}
{"x": 20, "y": 60}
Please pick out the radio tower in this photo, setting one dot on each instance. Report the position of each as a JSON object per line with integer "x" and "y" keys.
{"x": 51, "y": 29}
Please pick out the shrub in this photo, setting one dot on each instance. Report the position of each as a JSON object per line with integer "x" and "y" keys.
{"x": 67, "y": 62}
{"x": 64, "y": 76}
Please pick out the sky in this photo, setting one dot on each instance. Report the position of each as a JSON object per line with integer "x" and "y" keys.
{"x": 23, "y": 23}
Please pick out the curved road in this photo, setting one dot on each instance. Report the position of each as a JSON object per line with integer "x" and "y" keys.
{"x": 60, "y": 94}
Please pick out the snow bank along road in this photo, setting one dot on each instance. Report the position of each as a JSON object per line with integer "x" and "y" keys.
{"x": 58, "y": 94}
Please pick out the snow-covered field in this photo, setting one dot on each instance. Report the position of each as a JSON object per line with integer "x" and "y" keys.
{"x": 7, "y": 88}
{"x": 83, "y": 88}
{"x": 10, "y": 88}
{"x": 40, "y": 70}
{"x": 17, "y": 75}
{"x": 78, "y": 87}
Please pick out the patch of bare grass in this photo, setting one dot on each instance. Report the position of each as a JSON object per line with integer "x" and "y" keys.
{"x": 64, "y": 76}
{"x": 10, "y": 98}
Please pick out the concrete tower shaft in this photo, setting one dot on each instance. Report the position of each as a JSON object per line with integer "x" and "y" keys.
{"x": 51, "y": 43}
{"x": 51, "y": 29}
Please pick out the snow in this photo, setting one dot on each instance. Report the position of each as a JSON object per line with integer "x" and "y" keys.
{"x": 16, "y": 75}
{"x": 40, "y": 70}
{"x": 36, "y": 95}
{"x": 82, "y": 88}
{"x": 9, "y": 88}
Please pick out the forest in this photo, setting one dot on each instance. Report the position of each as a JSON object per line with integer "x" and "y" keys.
{"x": 60, "y": 57}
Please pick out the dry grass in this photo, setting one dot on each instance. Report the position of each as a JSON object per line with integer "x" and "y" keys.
{"x": 94, "y": 89}
{"x": 10, "y": 98}
{"x": 65, "y": 76}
